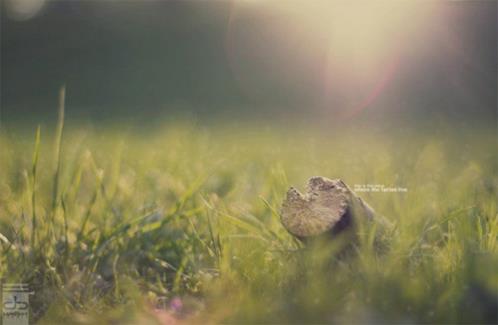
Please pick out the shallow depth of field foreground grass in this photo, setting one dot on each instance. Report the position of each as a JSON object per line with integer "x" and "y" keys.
{"x": 182, "y": 224}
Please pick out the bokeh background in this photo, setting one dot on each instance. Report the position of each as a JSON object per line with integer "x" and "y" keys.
{"x": 330, "y": 61}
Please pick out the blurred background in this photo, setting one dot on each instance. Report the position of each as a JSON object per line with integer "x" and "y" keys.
{"x": 330, "y": 61}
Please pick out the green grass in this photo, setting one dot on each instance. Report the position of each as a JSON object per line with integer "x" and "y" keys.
{"x": 106, "y": 225}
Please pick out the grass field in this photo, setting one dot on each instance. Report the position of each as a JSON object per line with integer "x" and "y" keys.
{"x": 181, "y": 224}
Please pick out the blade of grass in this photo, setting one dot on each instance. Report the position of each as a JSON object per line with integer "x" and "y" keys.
{"x": 66, "y": 242}
{"x": 33, "y": 189}
{"x": 58, "y": 149}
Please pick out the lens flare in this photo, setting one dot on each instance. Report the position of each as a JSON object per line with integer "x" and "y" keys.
{"x": 23, "y": 9}
{"x": 346, "y": 52}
